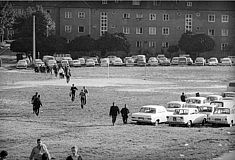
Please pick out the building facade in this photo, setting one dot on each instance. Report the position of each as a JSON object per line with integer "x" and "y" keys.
{"x": 150, "y": 26}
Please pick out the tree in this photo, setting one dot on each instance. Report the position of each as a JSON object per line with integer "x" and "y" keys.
{"x": 172, "y": 50}
{"x": 196, "y": 43}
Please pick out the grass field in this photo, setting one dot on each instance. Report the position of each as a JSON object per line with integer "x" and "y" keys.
{"x": 62, "y": 124}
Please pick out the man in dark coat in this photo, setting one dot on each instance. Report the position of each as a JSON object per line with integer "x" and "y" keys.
{"x": 114, "y": 111}
{"x": 124, "y": 112}
{"x": 183, "y": 97}
{"x": 37, "y": 104}
{"x": 33, "y": 99}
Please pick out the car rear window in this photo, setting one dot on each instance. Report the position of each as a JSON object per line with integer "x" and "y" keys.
{"x": 231, "y": 85}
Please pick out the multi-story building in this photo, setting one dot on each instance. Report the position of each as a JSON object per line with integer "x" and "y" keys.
{"x": 148, "y": 25}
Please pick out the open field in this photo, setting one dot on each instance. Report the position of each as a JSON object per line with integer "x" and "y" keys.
{"x": 62, "y": 123}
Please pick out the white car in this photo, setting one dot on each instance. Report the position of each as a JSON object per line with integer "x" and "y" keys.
{"x": 231, "y": 86}
{"x": 226, "y": 62}
{"x": 129, "y": 61}
{"x": 195, "y": 102}
{"x": 186, "y": 116}
{"x": 224, "y": 103}
{"x": 212, "y": 61}
{"x": 76, "y": 63}
{"x": 104, "y": 62}
{"x": 22, "y": 64}
{"x": 175, "y": 61}
{"x": 64, "y": 63}
{"x": 82, "y": 61}
{"x": 207, "y": 109}
{"x": 211, "y": 98}
{"x": 223, "y": 116}
{"x": 200, "y": 61}
{"x": 153, "y": 114}
{"x": 118, "y": 62}
{"x": 172, "y": 105}
{"x": 90, "y": 62}
{"x": 153, "y": 61}
{"x": 51, "y": 63}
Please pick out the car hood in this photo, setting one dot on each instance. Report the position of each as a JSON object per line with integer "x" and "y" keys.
{"x": 141, "y": 114}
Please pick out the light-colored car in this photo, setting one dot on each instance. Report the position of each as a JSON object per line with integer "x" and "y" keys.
{"x": 175, "y": 61}
{"x": 22, "y": 64}
{"x": 76, "y": 63}
{"x": 189, "y": 61}
{"x": 195, "y": 102}
{"x": 38, "y": 64}
{"x": 129, "y": 61}
{"x": 153, "y": 61}
{"x": 51, "y": 63}
{"x": 64, "y": 63}
{"x": 182, "y": 61}
{"x": 82, "y": 61}
{"x": 223, "y": 116}
{"x": 186, "y": 116}
{"x": 46, "y": 58}
{"x": 141, "y": 60}
{"x": 153, "y": 114}
{"x": 96, "y": 60}
{"x": 172, "y": 105}
{"x": 226, "y": 62}
{"x": 200, "y": 61}
{"x": 37, "y": 60}
{"x": 212, "y": 61}
{"x": 104, "y": 62}
{"x": 231, "y": 86}
{"x": 111, "y": 59}
{"x": 228, "y": 94}
{"x": 164, "y": 62}
{"x": 228, "y": 103}
{"x": 118, "y": 62}
{"x": 211, "y": 98}
{"x": 90, "y": 62}
{"x": 207, "y": 109}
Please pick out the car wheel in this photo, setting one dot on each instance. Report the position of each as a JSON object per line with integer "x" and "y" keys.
{"x": 156, "y": 122}
{"x": 203, "y": 122}
{"x": 189, "y": 124}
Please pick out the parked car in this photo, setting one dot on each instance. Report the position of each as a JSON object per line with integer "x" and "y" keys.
{"x": 129, "y": 62}
{"x": 228, "y": 95}
{"x": 200, "y": 61}
{"x": 212, "y": 61}
{"x": 224, "y": 103}
{"x": 38, "y": 64}
{"x": 182, "y": 61}
{"x": 104, "y": 62}
{"x": 160, "y": 57}
{"x": 76, "y": 63}
{"x": 195, "y": 102}
{"x": 153, "y": 61}
{"x": 172, "y": 105}
{"x": 165, "y": 62}
{"x": 90, "y": 62}
{"x": 211, "y": 98}
{"x": 189, "y": 61}
{"x": 141, "y": 60}
{"x": 186, "y": 116}
{"x": 95, "y": 60}
{"x": 207, "y": 109}
{"x": 82, "y": 61}
{"x": 46, "y": 58}
{"x": 51, "y": 63}
{"x": 232, "y": 59}
{"x": 223, "y": 116}
{"x": 22, "y": 64}
{"x": 153, "y": 114}
{"x": 231, "y": 86}
{"x": 37, "y": 60}
{"x": 118, "y": 62}
{"x": 69, "y": 59}
{"x": 226, "y": 62}
{"x": 64, "y": 63}
{"x": 175, "y": 61}
{"x": 111, "y": 59}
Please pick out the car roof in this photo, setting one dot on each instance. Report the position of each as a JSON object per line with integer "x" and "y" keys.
{"x": 153, "y": 106}
{"x": 180, "y": 102}
{"x": 201, "y": 98}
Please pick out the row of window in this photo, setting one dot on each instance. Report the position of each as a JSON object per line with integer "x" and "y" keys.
{"x": 152, "y": 16}
{"x": 140, "y": 30}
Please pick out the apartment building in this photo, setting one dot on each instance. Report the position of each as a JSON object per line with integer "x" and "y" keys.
{"x": 148, "y": 25}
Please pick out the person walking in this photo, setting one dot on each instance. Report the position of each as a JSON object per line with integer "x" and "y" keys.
{"x": 86, "y": 94}
{"x": 32, "y": 101}
{"x": 82, "y": 96}
{"x": 38, "y": 151}
{"x": 114, "y": 111}
{"x": 73, "y": 92}
{"x": 3, "y": 155}
{"x": 197, "y": 94}
{"x": 124, "y": 112}
{"x": 37, "y": 104}
{"x": 183, "y": 97}
{"x": 74, "y": 155}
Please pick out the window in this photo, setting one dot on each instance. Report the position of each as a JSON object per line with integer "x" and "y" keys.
{"x": 126, "y": 30}
{"x": 165, "y": 44}
{"x": 136, "y": 2}
{"x": 152, "y": 44}
{"x": 139, "y": 30}
{"x": 68, "y": 28}
{"x": 188, "y": 22}
{"x": 156, "y": 2}
{"x": 224, "y": 46}
{"x": 103, "y": 23}
{"x": 152, "y": 16}
{"x": 81, "y": 29}
{"x": 224, "y": 32}
{"x": 81, "y": 15}
{"x": 225, "y": 18}
{"x": 104, "y": 2}
{"x": 67, "y": 14}
{"x": 211, "y": 18}
{"x": 189, "y": 4}
{"x": 126, "y": 15}
{"x": 165, "y": 17}
{"x": 152, "y": 30}
{"x": 139, "y": 15}
{"x": 211, "y": 32}
{"x": 165, "y": 31}
{"x": 138, "y": 44}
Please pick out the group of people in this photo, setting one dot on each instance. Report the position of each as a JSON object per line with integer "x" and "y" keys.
{"x": 82, "y": 95}
{"x": 114, "y": 111}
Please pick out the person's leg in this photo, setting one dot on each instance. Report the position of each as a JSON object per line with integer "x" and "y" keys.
{"x": 113, "y": 119}
{"x": 85, "y": 101}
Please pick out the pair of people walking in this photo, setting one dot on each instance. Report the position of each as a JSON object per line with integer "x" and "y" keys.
{"x": 36, "y": 101}
{"x": 82, "y": 95}
{"x": 114, "y": 111}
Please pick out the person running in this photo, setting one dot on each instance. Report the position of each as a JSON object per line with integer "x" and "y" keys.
{"x": 183, "y": 97}
{"x": 124, "y": 112}
{"x": 114, "y": 111}
{"x": 33, "y": 99}
{"x": 37, "y": 104}
{"x": 86, "y": 93}
{"x": 82, "y": 96}
{"x": 72, "y": 92}
{"x": 38, "y": 151}
{"x": 74, "y": 155}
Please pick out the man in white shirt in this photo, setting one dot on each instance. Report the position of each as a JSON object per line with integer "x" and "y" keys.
{"x": 38, "y": 151}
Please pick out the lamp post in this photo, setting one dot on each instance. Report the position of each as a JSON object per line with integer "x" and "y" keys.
{"x": 34, "y": 38}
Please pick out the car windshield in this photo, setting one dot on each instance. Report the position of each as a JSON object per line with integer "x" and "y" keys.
{"x": 199, "y": 59}
{"x": 90, "y": 60}
{"x": 210, "y": 99}
{"x": 222, "y": 111}
{"x": 205, "y": 109}
{"x": 75, "y": 61}
{"x": 22, "y": 62}
{"x": 194, "y": 101}
{"x": 212, "y": 60}
{"x": 147, "y": 110}
{"x": 173, "y": 105}
{"x": 217, "y": 104}
{"x": 181, "y": 112}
